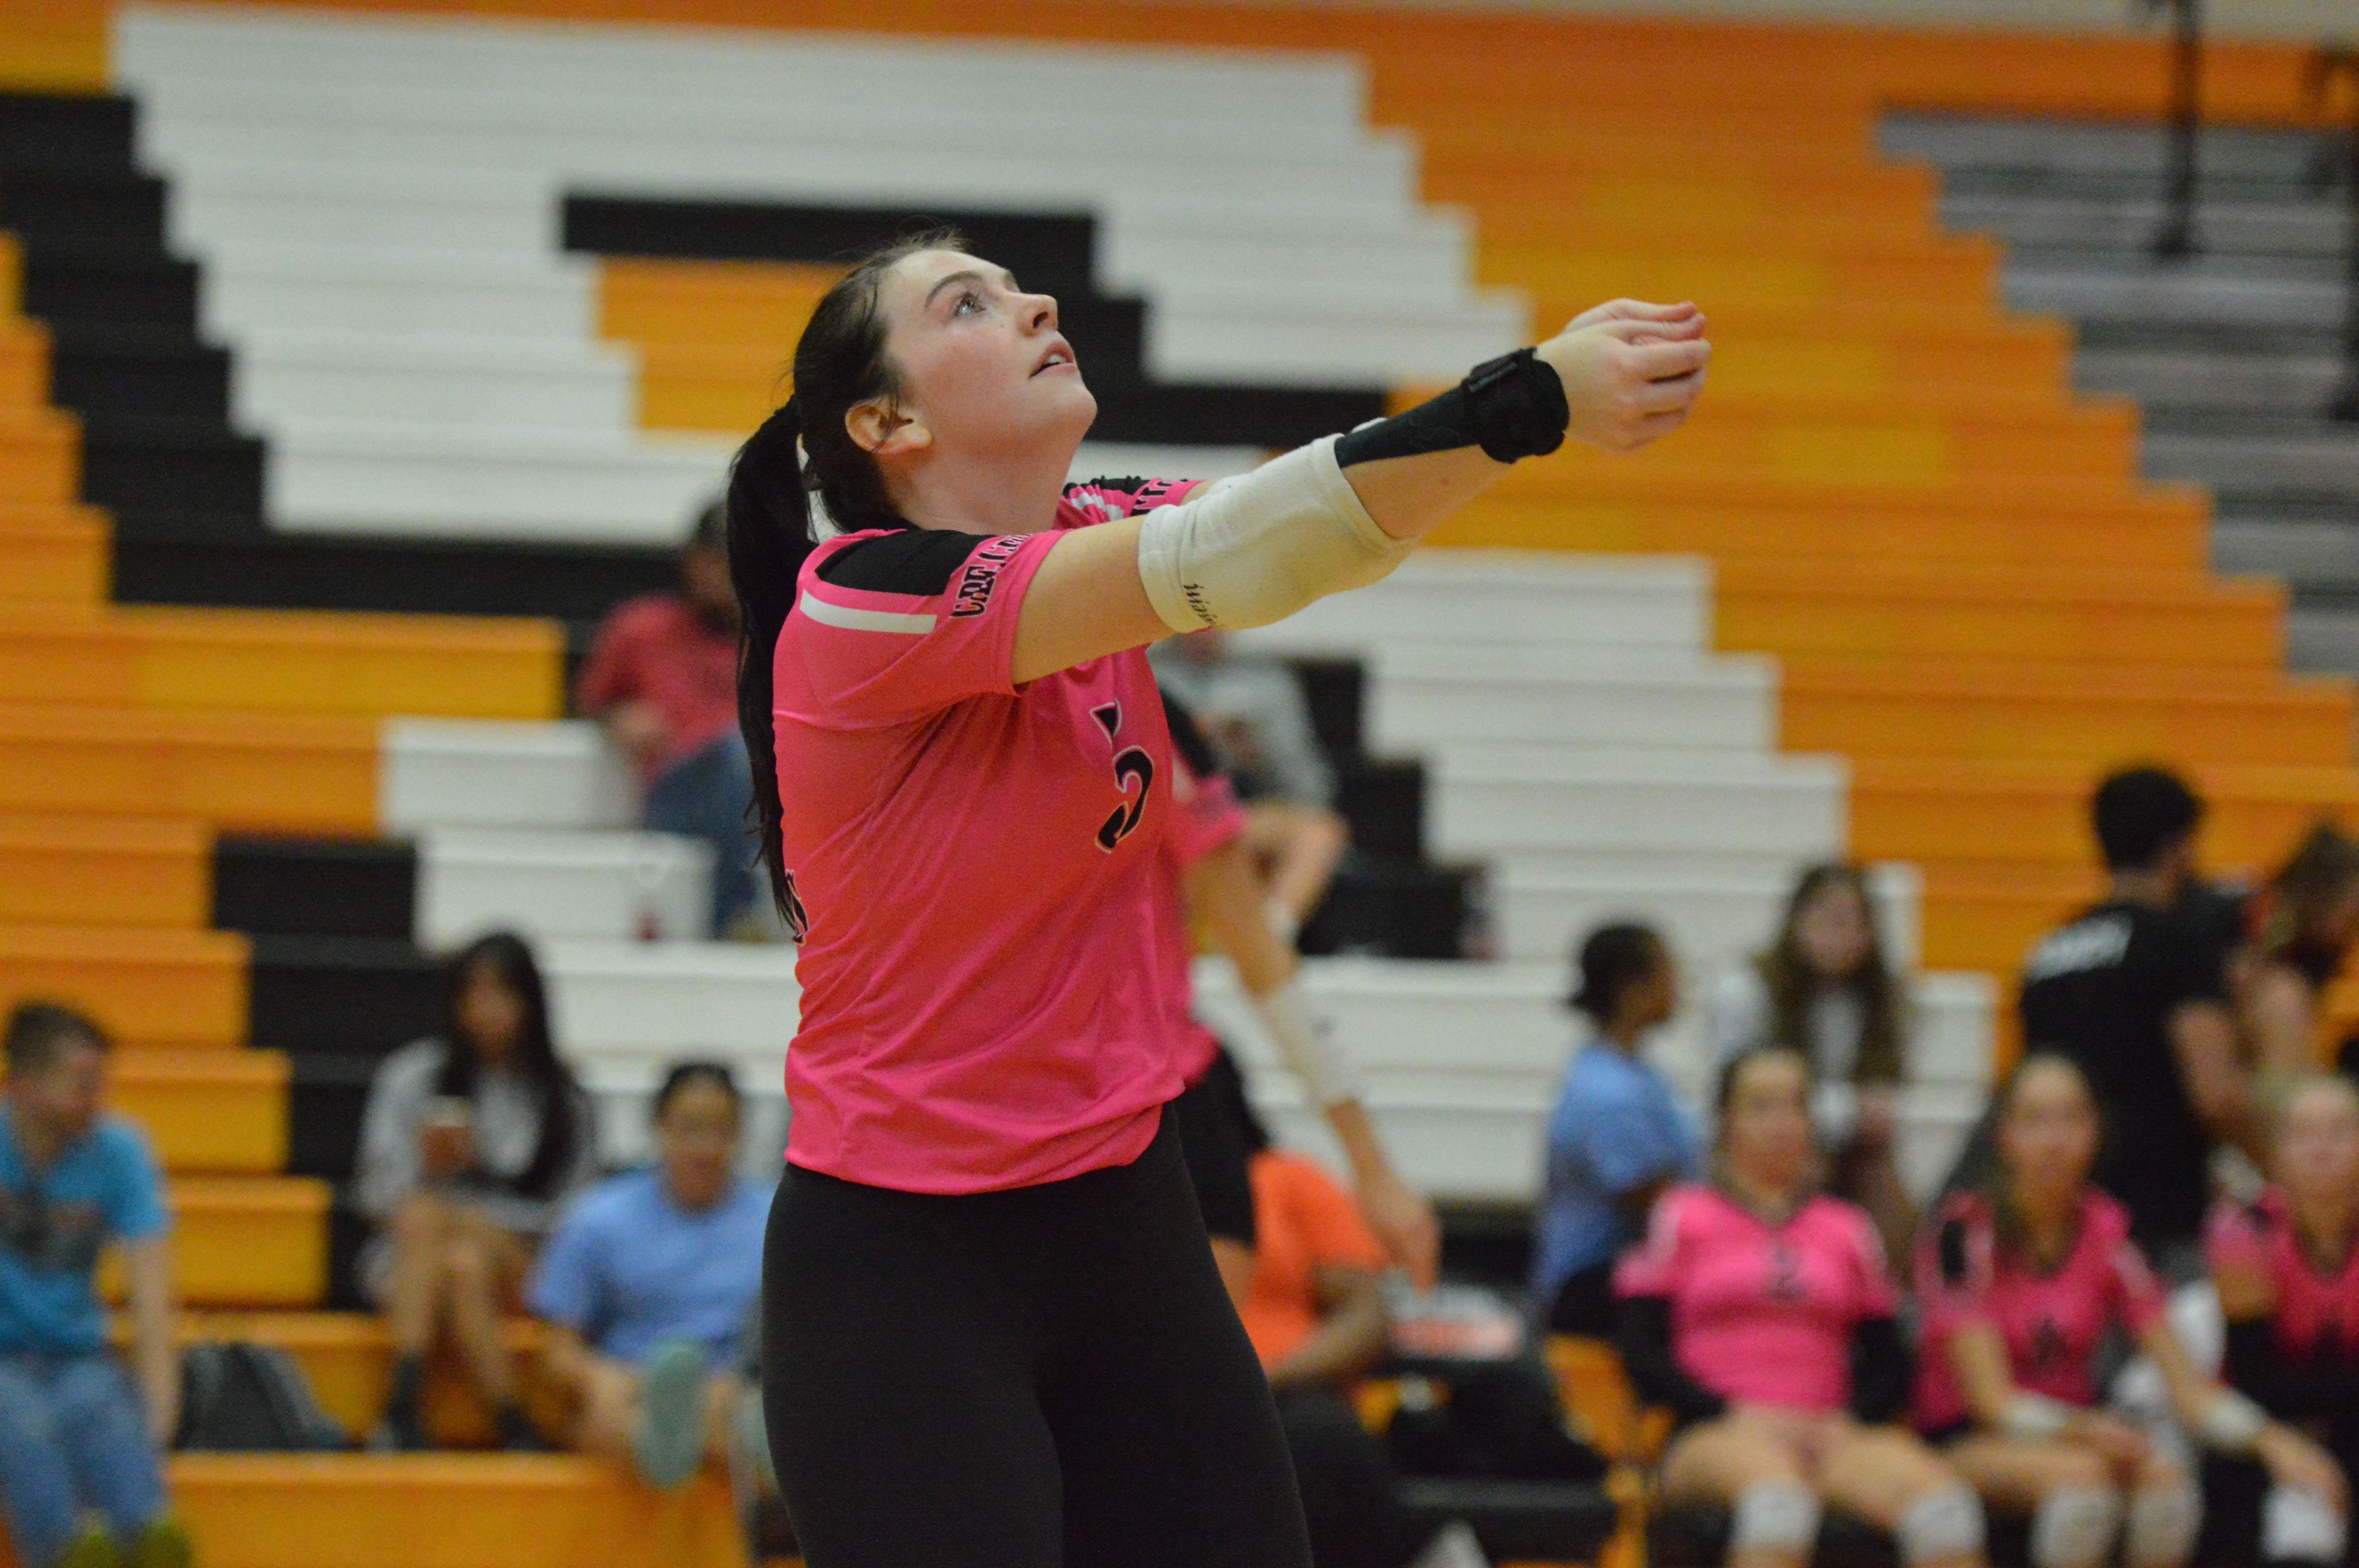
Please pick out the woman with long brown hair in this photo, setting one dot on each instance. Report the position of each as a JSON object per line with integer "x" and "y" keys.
{"x": 994, "y": 1330}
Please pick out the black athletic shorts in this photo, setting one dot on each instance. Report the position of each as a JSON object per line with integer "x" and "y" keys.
{"x": 1209, "y": 1120}
{"x": 1051, "y": 1377}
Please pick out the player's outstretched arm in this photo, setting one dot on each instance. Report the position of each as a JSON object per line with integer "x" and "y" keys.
{"x": 1345, "y": 511}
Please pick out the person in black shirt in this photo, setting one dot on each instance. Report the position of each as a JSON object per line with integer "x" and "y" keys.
{"x": 2134, "y": 993}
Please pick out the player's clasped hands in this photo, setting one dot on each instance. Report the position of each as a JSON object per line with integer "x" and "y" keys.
{"x": 1631, "y": 371}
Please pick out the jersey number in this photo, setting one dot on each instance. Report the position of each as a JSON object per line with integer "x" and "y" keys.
{"x": 1131, "y": 764}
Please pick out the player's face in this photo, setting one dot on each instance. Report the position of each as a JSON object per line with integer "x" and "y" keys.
{"x": 697, "y": 1142}
{"x": 1768, "y": 1128}
{"x": 983, "y": 366}
{"x": 2047, "y": 1135}
{"x": 1831, "y": 932}
{"x": 2318, "y": 1144}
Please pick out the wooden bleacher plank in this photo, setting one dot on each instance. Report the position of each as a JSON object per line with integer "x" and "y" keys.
{"x": 264, "y": 661}
{"x": 104, "y": 871}
{"x": 156, "y": 987}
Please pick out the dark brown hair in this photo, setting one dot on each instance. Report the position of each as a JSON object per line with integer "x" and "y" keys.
{"x": 1791, "y": 982}
{"x": 840, "y": 363}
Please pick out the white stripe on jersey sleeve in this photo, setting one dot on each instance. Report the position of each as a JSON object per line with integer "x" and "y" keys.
{"x": 852, "y": 619}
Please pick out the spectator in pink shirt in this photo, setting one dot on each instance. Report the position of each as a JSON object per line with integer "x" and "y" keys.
{"x": 2022, "y": 1278}
{"x": 1761, "y": 1313}
{"x": 662, "y": 678}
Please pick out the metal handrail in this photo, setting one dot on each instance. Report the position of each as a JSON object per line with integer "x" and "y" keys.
{"x": 2326, "y": 64}
{"x": 2176, "y": 238}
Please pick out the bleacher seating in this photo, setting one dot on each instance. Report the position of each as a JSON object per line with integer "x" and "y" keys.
{"x": 367, "y": 311}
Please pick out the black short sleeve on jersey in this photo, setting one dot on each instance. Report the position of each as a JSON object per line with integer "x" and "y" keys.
{"x": 1187, "y": 739}
{"x": 917, "y": 561}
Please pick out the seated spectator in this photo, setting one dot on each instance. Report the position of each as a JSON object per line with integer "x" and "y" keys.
{"x": 2299, "y": 929}
{"x": 649, "y": 1283}
{"x": 1618, "y": 1135}
{"x": 1315, "y": 1313}
{"x": 2132, "y": 990}
{"x": 2287, "y": 1271}
{"x": 1824, "y": 989}
{"x": 662, "y": 676}
{"x": 79, "y": 1466}
{"x": 1761, "y": 1314}
{"x": 2021, "y": 1279}
{"x": 1251, "y": 711}
{"x": 470, "y": 1144}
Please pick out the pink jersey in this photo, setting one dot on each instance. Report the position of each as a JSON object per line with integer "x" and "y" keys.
{"x": 1762, "y": 1313}
{"x": 1205, "y": 817}
{"x": 981, "y": 871}
{"x": 2052, "y": 1323}
{"x": 2315, "y": 1313}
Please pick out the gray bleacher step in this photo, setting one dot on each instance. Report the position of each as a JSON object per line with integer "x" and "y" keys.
{"x": 2323, "y": 638}
{"x": 2095, "y": 150}
{"x": 2205, "y": 269}
{"x": 2126, "y": 224}
{"x": 2311, "y": 460}
{"x": 2311, "y": 555}
{"x": 2168, "y": 381}
{"x": 2194, "y": 296}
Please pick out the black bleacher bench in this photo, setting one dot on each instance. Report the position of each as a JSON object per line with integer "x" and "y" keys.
{"x": 1531, "y": 1521}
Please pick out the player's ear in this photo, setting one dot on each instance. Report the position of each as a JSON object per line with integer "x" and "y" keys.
{"x": 881, "y": 430}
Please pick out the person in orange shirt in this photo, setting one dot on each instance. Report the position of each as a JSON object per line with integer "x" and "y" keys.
{"x": 1315, "y": 1313}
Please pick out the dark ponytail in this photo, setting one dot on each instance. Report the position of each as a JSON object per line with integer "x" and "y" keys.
{"x": 839, "y": 364}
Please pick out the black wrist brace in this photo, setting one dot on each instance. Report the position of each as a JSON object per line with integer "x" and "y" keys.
{"x": 1512, "y": 408}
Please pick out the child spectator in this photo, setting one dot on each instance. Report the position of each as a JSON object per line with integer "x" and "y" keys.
{"x": 1760, "y": 1313}
{"x": 1618, "y": 1135}
{"x": 471, "y": 1142}
{"x": 2287, "y": 1271}
{"x": 2023, "y": 1280}
{"x": 78, "y": 1444}
{"x": 650, "y": 1283}
{"x": 662, "y": 676}
{"x": 2132, "y": 992}
{"x": 1823, "y": 989}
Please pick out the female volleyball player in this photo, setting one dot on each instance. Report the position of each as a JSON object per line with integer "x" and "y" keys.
{"x": 994, "y": 1332}
{"x": 1762, "y": 1313}
{"x": 2288, "y": 1270}
{"x": 2021, "y": 1281}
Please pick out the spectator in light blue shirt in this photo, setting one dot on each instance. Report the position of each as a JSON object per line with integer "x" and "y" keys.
{"x": 650, "y": 1283}
{"x": 79, "y": 1469}
{"x": 1618, "y": 1135}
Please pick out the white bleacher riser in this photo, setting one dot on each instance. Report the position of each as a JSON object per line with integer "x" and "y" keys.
{"x": 478, "y": 382}
{"x": 1508, "y": 596}
{"x": 1295, "y": 90}
{"x": 1711, "y": 919}
{"x": 353, "y": 476}
{"x": 1499, "y": 801}
{"x": 1712, "y": 707}
{"x": 787, "y": 117}
{"x": 1203, "y": 336}
{"x": 250, "y": 288}
{"x": 448, "y": 773}
{"x": 301, "y": 200}
{"x": 613, "y": 885}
